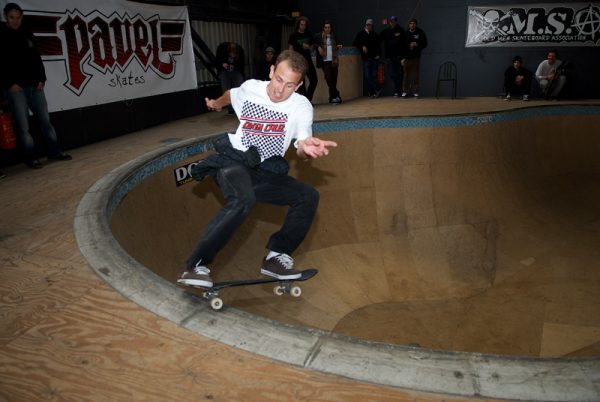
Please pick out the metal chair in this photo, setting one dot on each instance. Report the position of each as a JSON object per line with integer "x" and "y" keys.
{"x": 447, "y": 72}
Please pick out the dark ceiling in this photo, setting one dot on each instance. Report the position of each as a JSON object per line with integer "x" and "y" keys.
{"x": 268, "y": 11}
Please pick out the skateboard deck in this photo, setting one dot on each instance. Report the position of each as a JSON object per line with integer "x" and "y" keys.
{"x": 283, "y": 286}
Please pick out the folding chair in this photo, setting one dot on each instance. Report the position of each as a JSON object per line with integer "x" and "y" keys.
{"x": 447, "y": 72}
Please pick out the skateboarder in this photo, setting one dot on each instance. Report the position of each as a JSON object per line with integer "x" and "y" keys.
{"x": 249, "y": 167}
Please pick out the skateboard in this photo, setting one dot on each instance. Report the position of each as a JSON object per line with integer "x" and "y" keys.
{"x": 283, "y": 286}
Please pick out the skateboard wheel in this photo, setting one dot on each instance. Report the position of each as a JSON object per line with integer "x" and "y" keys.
{"x": 278, "y": 290}
{"x": 216, "y": 303}
{"x": 296, "y": 291}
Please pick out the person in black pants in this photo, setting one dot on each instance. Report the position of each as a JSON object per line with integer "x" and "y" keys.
{"x": 517, "y": 80}
{"x": 393, "y": 40}
{"x": 303, "y": 42}
{"x": 327, "y": 59}
{"x": 250, "y": 168}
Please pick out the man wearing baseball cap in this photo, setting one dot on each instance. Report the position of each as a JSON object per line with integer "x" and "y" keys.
{"x": 368, "y": 43}
{"x": 393, "y": 38}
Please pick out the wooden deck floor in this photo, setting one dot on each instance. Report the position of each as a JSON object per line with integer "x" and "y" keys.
{"x": 66, "y": 335}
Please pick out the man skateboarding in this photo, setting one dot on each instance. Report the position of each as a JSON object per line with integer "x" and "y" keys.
{"x": 249, "y": 167}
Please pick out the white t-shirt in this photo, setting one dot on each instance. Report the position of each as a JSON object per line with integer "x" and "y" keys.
{"x": 329, "y": 51}
{"x": 269, "y": 126}
{"x": 546, "y": 68}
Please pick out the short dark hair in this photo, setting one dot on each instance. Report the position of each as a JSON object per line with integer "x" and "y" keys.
{"x": 518, "y": 58}
{"x": 296, "y": 61}
{"x": 553, "y": 51}
{"x": 413, "y": 20}
{"x": 12, "y": 6}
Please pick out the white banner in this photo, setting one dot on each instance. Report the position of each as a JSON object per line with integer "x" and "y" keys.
{"x": 545, "y": 24}
{"x": 104, "y": 51}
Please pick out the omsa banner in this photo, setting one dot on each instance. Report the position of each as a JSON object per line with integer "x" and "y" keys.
{"x": 103, "y": 51}
{"x": 545, "y": 24}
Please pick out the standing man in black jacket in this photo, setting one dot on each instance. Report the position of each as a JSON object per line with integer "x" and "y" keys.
{"x": 22, "y": 75}
{"x": 369, "y": 45}
{"x": 415, "y": 41}
{"x": 393, "y": 41}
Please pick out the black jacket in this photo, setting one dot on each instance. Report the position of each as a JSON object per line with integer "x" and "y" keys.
{"x": 297, "y": 39}
{"x": 369, "y": 39}
{"x": 393, "y": 42}
{"x": 227, "y": 156}
{"x": 237, "y": 59}
{"x": 21, "y": 62}
{"x": 417, "y": 36}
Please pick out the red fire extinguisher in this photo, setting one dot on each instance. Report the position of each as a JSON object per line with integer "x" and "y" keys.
{"x": 7, "y": 135}
{"x": 380, "y": 74}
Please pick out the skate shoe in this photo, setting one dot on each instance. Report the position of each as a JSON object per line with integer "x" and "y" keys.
{"x": 280, "y": 266}
{"x": 197, "y": 276}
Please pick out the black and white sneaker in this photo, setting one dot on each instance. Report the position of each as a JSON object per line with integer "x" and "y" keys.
{"x": 197, "y": 276}
{"x": 280, "y": 266}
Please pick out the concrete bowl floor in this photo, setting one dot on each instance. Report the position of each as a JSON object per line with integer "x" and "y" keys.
{"x": 471, "y": 234}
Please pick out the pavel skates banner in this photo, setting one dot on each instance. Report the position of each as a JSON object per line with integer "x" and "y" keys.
{"x": 545, "y": 24}
{"x": 104, "y": 51}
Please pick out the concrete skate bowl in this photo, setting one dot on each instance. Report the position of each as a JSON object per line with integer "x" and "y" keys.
{"x": 467, "y": 245}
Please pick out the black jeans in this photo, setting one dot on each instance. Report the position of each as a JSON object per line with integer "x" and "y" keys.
{"x": 331, "y": 76}
{"x": 311, "y": 74}
{"x": 242, "y": 188}
{"x": 396, "y": 73}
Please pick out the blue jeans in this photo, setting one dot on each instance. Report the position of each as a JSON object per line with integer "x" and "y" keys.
{"x": 243, "y": 187}
{"x": 20, "y": 104}
{"x": 370, "y": 75}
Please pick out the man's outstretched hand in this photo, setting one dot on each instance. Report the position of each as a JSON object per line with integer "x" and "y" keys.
{"x": 314, "y": 147}
{"x": 212, "y": 104}
{"x": 220, "y": 102}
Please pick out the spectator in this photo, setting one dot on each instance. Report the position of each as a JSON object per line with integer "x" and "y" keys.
{"x": 230, "y": 65}
{"x": 393, "y": 40}
{"x": 415, "y": 41}
{"x": 327, "y": 59}
{"x": 302, "y": 41}
{"x": 23, "y": 76}
{"x": 517, "y": 80}
{"x": 550, "y": 75}
{"x": 369, "y": 44}
{"x": 263, "y": 68}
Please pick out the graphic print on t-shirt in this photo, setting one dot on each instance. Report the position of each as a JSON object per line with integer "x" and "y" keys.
{"x": 263, "y": 128}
